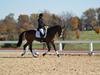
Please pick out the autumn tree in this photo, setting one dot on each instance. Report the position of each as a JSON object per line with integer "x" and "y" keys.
{"x": 24, "y": 23}
{"x": 8, "y": 26}
{"x": 33, "y": 19}
{"x": 3, "y": 30}
{"x": 47, "y": 18}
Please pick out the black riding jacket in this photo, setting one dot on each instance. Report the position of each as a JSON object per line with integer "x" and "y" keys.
{"x": 41, "y": 23}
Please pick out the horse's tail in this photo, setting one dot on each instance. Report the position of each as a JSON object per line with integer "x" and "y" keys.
{"x": 20, "y": 39}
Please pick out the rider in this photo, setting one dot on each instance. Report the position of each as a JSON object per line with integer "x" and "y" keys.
{"x": 41, "y": 25}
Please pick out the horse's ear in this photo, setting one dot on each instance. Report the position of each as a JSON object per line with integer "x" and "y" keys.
{"x": 63, "y": 26}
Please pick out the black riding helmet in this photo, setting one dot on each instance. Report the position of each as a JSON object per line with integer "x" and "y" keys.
{"x": 41, "y": 14}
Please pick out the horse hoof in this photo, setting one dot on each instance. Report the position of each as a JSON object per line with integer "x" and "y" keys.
{"x": 22, "y": 54}
{"x": 44, "y": 54}
{"x": 90, "y": 53}
{"x": 35, "y": 56}
{"x": 58, "y": 55}
{"x": 37, "y": 53}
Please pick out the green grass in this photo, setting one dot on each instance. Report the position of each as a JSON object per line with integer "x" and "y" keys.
{"x": 89, "y": 35}
{"x": 85, "y": 35}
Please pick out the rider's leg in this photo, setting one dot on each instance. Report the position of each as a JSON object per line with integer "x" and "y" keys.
{"x": 42, "y": 36}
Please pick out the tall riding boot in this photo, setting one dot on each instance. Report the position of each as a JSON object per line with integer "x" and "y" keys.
{"x": 42, "y": 38}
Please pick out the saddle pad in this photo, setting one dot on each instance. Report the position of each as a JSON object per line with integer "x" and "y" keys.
{"x": 37, "y": 34}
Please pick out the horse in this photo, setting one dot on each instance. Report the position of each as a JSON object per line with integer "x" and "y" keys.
{"x": 49, "y": 39}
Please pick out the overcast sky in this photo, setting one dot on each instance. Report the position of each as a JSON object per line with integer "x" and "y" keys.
{"x": 54, "y": 6}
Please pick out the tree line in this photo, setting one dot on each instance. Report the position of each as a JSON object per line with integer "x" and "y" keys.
{"x": 11, "y": 28}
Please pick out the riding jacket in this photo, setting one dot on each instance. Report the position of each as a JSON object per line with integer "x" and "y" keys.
{"x": 41, "y": 23}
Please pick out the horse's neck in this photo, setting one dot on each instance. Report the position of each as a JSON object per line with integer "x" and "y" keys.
{"x": 51, "y": 33}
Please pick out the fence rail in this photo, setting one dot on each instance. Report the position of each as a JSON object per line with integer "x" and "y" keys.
{"x": 61, "y": 42}
{"x": 79, "y": 41}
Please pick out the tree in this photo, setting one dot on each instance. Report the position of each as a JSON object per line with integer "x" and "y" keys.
{"x": 70, "y": 24}
{"x": 47, "y": 18}
{"x": 3, "y": 30}
{"x": 89, "y": 18}
{"x": 65, "y": 17}
{"x": 24, "y": 23}
{"x": 8, "y": 27}
{"x": 33, "y": 19}
{"x": 98, "y": 16}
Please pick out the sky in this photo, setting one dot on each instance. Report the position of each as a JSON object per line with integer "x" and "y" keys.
{"x": 28, "y": 7}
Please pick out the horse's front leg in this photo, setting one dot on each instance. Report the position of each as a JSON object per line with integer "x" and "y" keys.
{"x": 52, "y": 42}
{"x": 49, "y": 48}
{"x": 34, "y": 54}
{"x": 24, "y": 49}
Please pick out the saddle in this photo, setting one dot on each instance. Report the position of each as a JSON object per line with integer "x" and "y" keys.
{"x": 40, "y": 32}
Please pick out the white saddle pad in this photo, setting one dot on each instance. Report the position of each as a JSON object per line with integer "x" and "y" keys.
{"x": 38, "y": 34}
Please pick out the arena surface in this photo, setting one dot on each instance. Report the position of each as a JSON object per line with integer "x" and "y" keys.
{"x": 11, "y": 63}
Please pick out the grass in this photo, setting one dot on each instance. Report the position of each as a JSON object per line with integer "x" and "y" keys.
{"x": 85, "y": 35}
{"x": 89, "y": 35}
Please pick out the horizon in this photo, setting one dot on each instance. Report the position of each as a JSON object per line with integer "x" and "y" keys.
{"x": 53, "y": 6}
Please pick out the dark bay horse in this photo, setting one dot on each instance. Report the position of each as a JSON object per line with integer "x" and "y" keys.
{"x": 49, "y": 39}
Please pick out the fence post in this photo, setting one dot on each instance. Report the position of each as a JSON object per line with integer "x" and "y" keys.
{"x": 60, "y": 46}
{"x": 91, "y": 47}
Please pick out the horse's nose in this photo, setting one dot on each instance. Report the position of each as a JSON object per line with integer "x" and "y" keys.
{"x": 60, "y": 36}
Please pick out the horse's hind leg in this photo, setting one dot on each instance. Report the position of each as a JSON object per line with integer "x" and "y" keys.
{"x": 49, "y": 48}
{"x": 52, "y": 42}
{"x": 24, "y": 49}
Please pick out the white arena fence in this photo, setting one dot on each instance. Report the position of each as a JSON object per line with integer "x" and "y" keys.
{"x": 61, "y": 42}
